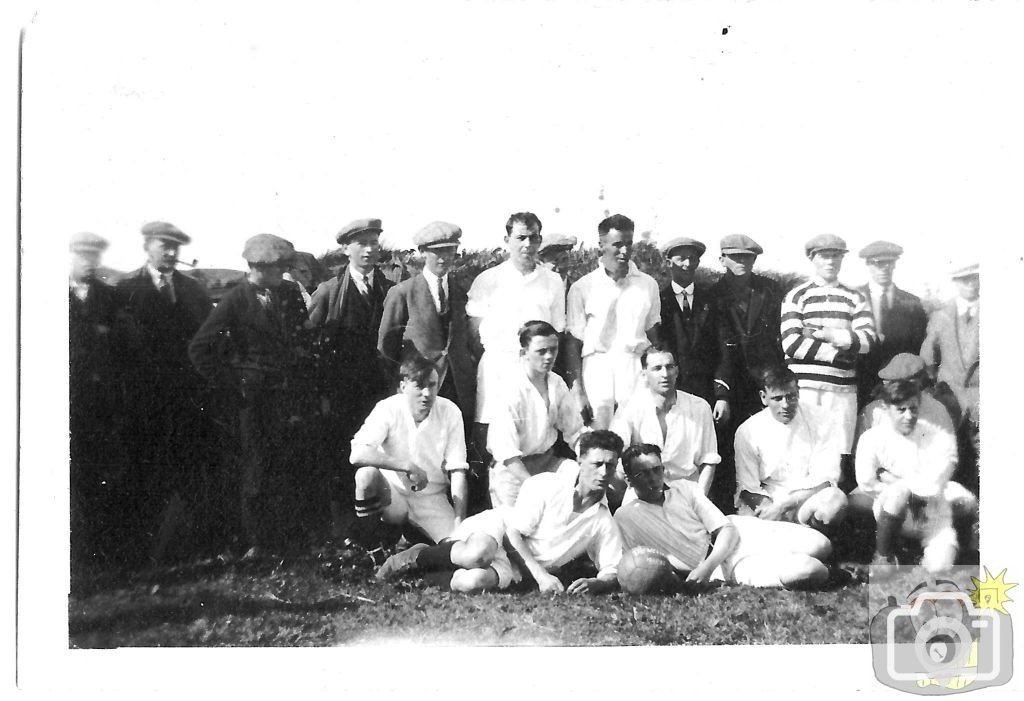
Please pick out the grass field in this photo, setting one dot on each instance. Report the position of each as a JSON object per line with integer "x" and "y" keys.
{"x": 296, "y": 602}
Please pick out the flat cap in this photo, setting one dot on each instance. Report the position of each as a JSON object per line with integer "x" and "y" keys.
{"x": 267, "y": 249}
{"x": 557, "y": 241}
{"x": 681, "y": 242}
{"x": 166, "y": 232}
{"x": 903, "y": 366}
{"x": 881, "y": 250}
{"x": 740, "y": 243}
{"x": 824, "y": 242}
{"x": 438, "y": 234}
{"x": 357, "y": 227}
{"x": 86, "y": 242}
{"x": 966, "y": 271}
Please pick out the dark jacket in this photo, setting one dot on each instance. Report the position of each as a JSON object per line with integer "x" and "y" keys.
{"x": 248, "y": 348}
{"x": 411, "y": 320}
{"x": 748, "y": 341}
{"x": 93, "y": 364}
{"x": 905, "y": 326}
{"x": 694, "y": 342}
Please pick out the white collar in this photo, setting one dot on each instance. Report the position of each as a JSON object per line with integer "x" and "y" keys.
{"x": 156, "y": 275}
{"x": 962, "y": 306}
{"x": 680, "y": 290}
{"x": 877, "y": 290}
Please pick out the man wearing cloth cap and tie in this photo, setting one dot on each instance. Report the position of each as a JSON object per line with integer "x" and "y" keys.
{"x": 165, "y": 424}
{"x": 427, "y": 313}
{"x": 746, "y": 307}
{"x": 825, "y": 326}
{"x": 688, "y": 325}
{"x": 346, "y": 312}
{"x": 95, "y": 403}
{"x": 900, "y": 319}
{"x": 251, "y": 345}
{"x": 951, "y": 354}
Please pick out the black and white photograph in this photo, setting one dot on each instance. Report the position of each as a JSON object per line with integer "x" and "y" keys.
{"x": 555, "y": 335}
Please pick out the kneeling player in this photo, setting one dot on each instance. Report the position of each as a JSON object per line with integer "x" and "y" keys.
{"x": 408, "y": 449}
{"x": 562, "y": 515}
{"x": 787, "y": 458}
{"x": 904, "y": 465}
{"x": 678, "y": 520}
{"x": 473, "y": 555}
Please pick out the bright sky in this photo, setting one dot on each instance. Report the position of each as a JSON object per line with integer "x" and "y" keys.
{"x": 874, "y": 121}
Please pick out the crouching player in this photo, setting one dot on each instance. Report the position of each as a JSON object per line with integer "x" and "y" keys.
{"x": 904, "y": 465}
{"x": 787, "y": 458}
{"x": 408, "y": 449}
{"x": 562, "y": 515}
{"x": 535, "y": 407}
{"x": 677, "y": 520}
{"x": 471, "y": 559}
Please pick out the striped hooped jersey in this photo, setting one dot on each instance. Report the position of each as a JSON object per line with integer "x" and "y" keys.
{"x": 818, "y": 305}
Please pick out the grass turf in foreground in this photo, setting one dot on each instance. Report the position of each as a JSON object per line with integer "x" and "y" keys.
{"x": 292, "y": 603}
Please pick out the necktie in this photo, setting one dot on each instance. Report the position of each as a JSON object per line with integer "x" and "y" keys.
{"x": 686, "y": 304}
{"x": 442, "y": 298}
{"x": 883, "y": 312}
{"x": 167, "y": 287}
{"x": 362, "y": 285}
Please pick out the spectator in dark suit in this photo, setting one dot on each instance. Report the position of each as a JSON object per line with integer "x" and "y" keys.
{"x": 252, "y": 346}
{"x": 95, "y": 407}
{"x": 688, "y": 326}
{"x": 345, "y": 313}
{"x": 900, "y": 319}
{"x": 427, "y": 313}
{"x": 164, "y": 431}
{"x": 748, "y": 309}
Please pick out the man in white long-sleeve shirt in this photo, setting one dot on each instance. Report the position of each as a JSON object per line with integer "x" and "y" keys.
{"x": 787, "y": 458}
{"x": 561, "y": 516}
{"x": 904, "y": 465}
{"x": 535, "y": 407}
{"x": 680, "y": 424}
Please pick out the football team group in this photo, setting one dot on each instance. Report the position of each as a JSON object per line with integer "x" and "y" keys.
{"x": 511, "y": 431}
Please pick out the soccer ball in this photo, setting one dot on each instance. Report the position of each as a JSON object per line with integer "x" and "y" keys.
{"x": 644, "y": 570}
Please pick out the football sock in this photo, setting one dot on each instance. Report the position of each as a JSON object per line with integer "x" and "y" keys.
{"x": 437, "y": 557}
{"x": 888, "y": 527}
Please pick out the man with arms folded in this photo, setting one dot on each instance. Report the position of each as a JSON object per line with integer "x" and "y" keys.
{"x": 680, "y": 424}
{"x": 677, "y": 520}
{"x": 904, "y": 465}
{"x": 409, "y": 448}
{"x": 613, "y": 315}
{"x": 501, "y": 300}
{"x": 562, "y": 515}
{"x": 787, "y": 458}
{"x": 536, "y": 406}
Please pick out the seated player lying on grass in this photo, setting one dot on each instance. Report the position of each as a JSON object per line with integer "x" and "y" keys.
{"x": 534, "y": 407}
{"x": 471, "y": 559}
{"x": 904, "y": 466}
{"x": 787, "y": 458}
{"x": 677, "y": 520}
{"x": 679, "y": 423}
{"x": 562, "y": 515}
{"x": 408, "y": 448}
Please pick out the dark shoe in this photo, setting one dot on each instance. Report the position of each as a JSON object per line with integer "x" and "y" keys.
{"x": 400, "y": 563}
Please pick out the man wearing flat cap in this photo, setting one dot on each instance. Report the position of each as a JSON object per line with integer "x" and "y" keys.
{"x": 554, "y": 252}
{"x": 825, "y": 327}
{"x": 251, "y": 346}
{"x": 95, "y": 403}
{"x": 900, "y": 319}
{"x": 688, "y": 325}
{"x": 427, "y": 314}
{"x": 747, "y": 320}
{"x": 345, "y": 312}
{"x": 166, "y": 427}
{"x": 952, "y": 358}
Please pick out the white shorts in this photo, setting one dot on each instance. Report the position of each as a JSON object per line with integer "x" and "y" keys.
{"x": 504, "y": 484}
{"x": 431, "y": 513}
{"x": 806, "y": 510}
{"x": 754, "y": 561}
{"x": 609, "y": 379}
{"x": 934, "y": 528}
{"x": 492, "y": 376}
{"x": 490, "y": 523}
{"x": 841, "y": 405}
